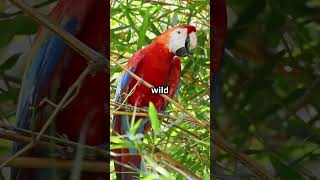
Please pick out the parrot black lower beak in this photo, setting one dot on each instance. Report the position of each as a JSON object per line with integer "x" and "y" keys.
{"x": 182, "y": 52}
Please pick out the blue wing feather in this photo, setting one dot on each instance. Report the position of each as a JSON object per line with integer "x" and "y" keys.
{"x": 41, "y": 69}
{"x": 123, "y": 83}
{"x": 40, "y": 72}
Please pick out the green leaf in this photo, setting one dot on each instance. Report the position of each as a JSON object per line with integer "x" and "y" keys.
{"x": 10, "y": 62}
{"x": 5, "y": 38}
{"x": 11, "y": 94}
{"x": 117, "y": 139}
{"x": 285, "y": 172}
{"x": 20, "y": 25}
{"x": 24, "y": 25}
{"x": 128, "y": 36}
{"x": 143, "y": 29}
{"x": 155, "y": 123}
{"x": 134, "y": 129}
{"x": 125, "y": 144}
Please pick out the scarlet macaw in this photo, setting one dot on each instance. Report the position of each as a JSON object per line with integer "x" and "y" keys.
{"x": 219, "y": 34}
{"x": 52, "y": 69}
{"x": 158, "y": 64}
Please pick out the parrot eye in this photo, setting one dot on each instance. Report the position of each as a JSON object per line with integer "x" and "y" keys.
{"x": 178, "y": 32}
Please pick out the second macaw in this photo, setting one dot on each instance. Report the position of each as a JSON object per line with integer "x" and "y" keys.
{"x": 53, "y": 68}
{"x": 219, "y": 35}
{"x": 158, "y": 64}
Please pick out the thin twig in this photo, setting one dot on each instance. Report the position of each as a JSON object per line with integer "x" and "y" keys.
{"x": 189, "y": 120}
{"x": 57, "y": 109}
{"x": 16, "y": 137}
{"x": 245, "y": 160}
{"x": 11, "y": 134}
{"x": 42, "y": 4}
{"x": 32, "y": 162}
{"x": 17, "y": 154}
{"x": 64, "y": 100}
{"x": 173, "y": 164}
{"x": 82, "y": 49}
{"x": 178, "y": 119}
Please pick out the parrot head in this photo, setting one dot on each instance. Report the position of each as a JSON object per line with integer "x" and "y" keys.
{"x": 180, "y": 40}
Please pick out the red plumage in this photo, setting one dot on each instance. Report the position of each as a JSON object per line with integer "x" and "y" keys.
{"x": 219, "y": 33}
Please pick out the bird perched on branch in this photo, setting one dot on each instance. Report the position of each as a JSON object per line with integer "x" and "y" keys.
{"x": 159, "y": 65}
{"x": 53, "y": 68}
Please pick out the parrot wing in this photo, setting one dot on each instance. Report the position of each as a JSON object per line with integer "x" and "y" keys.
{"x": 220, "y": 26}
{"x": 43, "y": 58}
{"x": 47, "y": 53}
{"x": 125, "y": 77}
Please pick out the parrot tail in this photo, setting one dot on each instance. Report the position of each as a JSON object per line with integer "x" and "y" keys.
{"x": 126, "y": 166}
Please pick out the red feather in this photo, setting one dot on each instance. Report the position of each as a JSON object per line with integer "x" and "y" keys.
{"x": 219, "y": 33}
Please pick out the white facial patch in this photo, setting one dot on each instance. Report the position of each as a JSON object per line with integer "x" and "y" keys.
{"x": 177, "y": 39}
{"x": 193, "y": 40}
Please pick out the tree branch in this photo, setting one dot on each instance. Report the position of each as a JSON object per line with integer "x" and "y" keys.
{"x": 32, "y": 162}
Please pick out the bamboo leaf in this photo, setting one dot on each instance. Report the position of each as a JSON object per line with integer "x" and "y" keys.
{"x": 10, "y": 62}
{"x": 155, "y": 123}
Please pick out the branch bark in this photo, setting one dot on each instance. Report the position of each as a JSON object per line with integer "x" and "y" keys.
{"x": 32, "y": 162}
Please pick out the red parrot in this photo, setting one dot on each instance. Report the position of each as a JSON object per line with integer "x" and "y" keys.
{"x": 158, "y": 64}
{"x": 219, "y": 34}
{"x": 53, "y": 68}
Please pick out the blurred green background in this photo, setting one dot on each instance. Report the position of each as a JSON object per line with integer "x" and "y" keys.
{"x": 271, "y": 88}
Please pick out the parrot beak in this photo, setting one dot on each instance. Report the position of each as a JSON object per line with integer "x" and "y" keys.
{"x": 186, "y": 50}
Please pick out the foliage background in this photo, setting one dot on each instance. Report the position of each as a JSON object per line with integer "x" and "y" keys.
{"x": 270, "y": 88}
{"x": 134, "y": 24}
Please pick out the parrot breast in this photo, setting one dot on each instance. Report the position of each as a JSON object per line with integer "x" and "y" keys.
{"x": 88, "y": 107}
{"x": 154, "y": 68}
